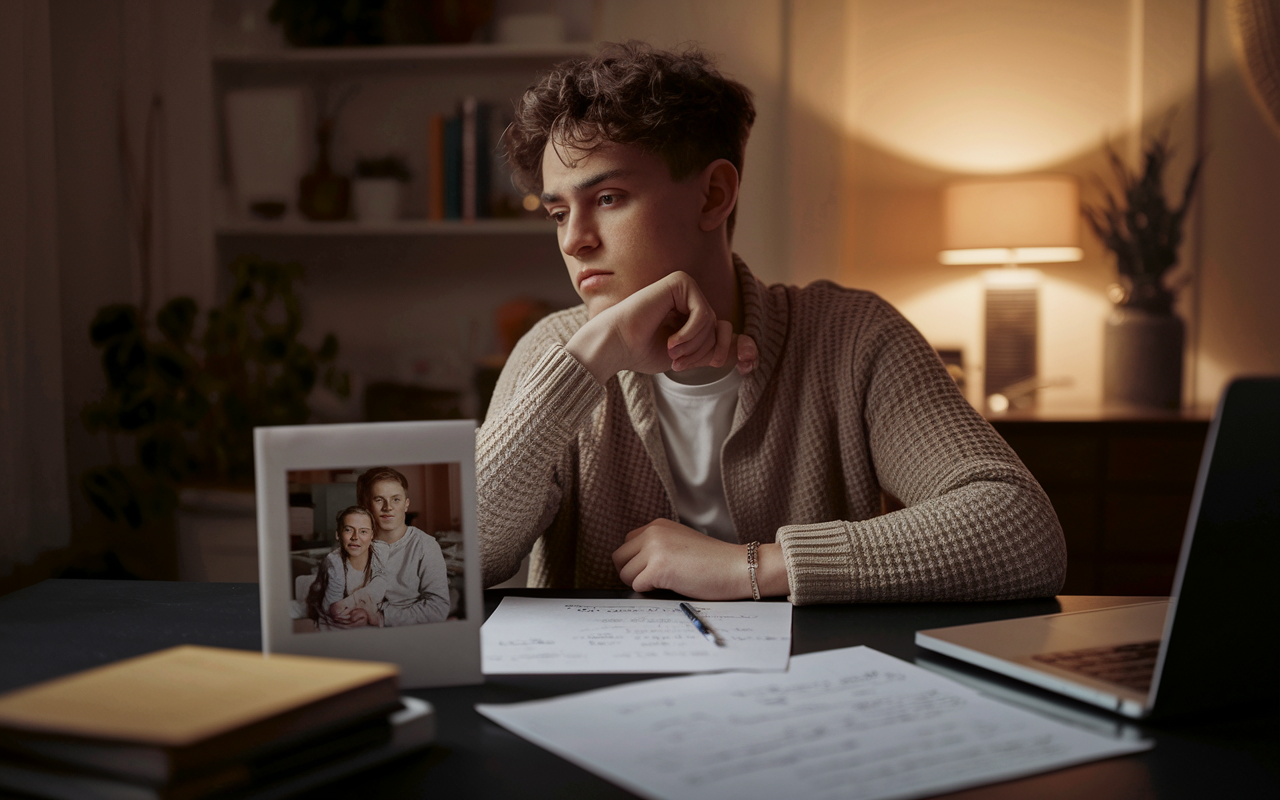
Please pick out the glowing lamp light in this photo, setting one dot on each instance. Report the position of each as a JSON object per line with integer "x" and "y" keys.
{"x": 1021, "y": 221}
{"x": 1010, "y": 255}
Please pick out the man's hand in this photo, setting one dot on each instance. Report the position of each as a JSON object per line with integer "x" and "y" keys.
{"x": 668, "y": 555}
{"x": 668, "y": 325}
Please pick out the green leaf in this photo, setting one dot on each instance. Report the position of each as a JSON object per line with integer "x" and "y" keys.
{"x": 138, "y": 414}
{"x": 124, "y": 360}
{"x": 176, "y": 319}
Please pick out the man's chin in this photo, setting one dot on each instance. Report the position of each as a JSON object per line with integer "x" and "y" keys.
{"x": 598, "y": 305}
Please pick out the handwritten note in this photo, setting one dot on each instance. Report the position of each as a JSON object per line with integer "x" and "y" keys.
{"x": 850, "y": 723}
{"x": 546, "y": 635}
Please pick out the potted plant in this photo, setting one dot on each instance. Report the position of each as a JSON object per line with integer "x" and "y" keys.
{"x": 1143, "y": 341}
{"x": 188, "y": 399}
{"x": 379, "y": 187}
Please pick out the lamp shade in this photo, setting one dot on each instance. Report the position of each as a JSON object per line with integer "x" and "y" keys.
{"x": 1029, "y": 220}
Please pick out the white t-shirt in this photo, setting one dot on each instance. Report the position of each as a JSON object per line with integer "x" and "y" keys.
{"x": 695, "y": 421}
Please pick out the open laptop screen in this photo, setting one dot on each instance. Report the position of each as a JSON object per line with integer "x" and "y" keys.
{"x": 1225, "y": 601}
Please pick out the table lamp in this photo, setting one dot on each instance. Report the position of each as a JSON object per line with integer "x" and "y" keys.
{"x": 1011, "y": 222}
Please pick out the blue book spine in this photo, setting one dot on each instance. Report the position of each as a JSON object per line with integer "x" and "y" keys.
{"x": 453, "y": 168}
{"x": 484, "y": 158}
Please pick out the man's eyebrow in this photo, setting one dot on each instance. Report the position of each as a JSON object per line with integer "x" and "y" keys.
{"x": 586, "y": 183}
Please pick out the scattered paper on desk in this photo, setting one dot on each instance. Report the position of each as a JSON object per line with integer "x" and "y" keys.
{"x": 555, "y": 636}
{"x": 850, "y": 723}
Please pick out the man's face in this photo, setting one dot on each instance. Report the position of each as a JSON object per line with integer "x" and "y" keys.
{"x": 389, "y": 505}
{"x": 621, "y": 221}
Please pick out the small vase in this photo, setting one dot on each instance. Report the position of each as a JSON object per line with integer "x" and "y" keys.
{"x": 1142, "y": 358}
{"x": 324, "y": 195}
{"x": 377, "y": 199}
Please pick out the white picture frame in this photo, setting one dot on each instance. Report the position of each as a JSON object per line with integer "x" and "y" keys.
{"x": 443, "y": 653}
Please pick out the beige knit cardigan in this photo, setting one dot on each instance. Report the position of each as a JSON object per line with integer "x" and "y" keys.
{"x": 847, "y": 397}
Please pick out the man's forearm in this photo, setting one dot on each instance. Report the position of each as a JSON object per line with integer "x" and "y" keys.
{"x": 517, "y": 452}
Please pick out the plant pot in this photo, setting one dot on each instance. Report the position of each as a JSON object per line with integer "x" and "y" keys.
{"x": 1142, "y": 359}
{"x": 378, "y": 199}
{"x": 217, "y": 536}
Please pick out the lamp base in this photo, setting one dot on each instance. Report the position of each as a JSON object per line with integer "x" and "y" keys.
{"x": 1012, "y": 319}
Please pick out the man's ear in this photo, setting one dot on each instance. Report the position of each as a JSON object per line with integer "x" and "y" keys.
{"x": 719, "y": 192}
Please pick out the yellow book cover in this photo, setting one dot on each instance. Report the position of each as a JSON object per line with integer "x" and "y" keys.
{"x": 190, "y": 706}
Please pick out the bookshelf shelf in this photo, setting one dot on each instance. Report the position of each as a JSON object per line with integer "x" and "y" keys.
{"x": 407, "y": 227}
{"x": 348, "y": 61}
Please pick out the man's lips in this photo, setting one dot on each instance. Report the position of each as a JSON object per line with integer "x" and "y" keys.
{"x": 592, "y": 279}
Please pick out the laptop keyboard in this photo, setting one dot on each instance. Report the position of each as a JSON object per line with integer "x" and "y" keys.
{"x": 1130, "y": 665}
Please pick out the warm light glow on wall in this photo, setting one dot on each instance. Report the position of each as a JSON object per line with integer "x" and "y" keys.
{"x": 986, "y": 86}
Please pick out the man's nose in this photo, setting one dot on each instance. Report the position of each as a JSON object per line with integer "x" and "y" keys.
{"x": 580, "y": 235}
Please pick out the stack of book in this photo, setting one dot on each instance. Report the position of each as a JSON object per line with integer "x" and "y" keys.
{"x": 467, "y": 178}
{"x": 199, "y": 722}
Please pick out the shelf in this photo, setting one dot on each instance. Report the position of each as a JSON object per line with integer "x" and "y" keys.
{"x": 349, "y": 60}
{"x": 407, "y": 227}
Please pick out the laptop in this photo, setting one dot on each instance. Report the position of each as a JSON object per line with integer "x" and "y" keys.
{"x": 1198, "y": 649}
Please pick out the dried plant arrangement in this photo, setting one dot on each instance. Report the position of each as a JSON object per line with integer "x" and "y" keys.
{"x": 1140, "y": 227}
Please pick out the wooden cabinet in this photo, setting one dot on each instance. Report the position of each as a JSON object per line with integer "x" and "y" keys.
{"x": 1121, "y": 485}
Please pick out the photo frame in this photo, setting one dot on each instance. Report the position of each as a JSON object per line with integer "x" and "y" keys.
{"x": 351, "y": 579}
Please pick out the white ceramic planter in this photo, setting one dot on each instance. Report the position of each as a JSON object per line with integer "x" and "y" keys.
{"x": 377, "y": 199}
{"x": 217, "y": 536}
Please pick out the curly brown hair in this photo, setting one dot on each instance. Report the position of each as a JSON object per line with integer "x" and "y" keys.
{"x": 673, "y": 104}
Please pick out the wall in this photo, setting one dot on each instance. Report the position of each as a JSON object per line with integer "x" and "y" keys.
{"x": 1240, "y": 230}
{"x": 749, "y": 37}
{"x": 89, "y": 69}
{"x": 937, "y": 90}
{"x": 940, "y": 89}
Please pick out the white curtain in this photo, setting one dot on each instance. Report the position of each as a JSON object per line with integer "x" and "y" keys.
{"x": 34, "y": 514}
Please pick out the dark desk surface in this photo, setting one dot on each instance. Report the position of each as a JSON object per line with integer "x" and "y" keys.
{"x": 61, "y": 626}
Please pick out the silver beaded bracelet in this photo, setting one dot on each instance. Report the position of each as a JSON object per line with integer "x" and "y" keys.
{"x": 753, "y": 562}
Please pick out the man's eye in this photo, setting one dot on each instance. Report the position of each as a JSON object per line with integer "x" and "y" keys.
{"x": 607, "y": 199}
{"x": 557, "y": 217}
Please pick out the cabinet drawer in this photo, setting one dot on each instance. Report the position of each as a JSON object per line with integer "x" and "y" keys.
{"x": 1147, "y": 524}
{"x": 1058, "y": 457}
{"x": 1156, "y": 457}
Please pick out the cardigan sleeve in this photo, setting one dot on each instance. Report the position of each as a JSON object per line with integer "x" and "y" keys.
{"x": 543, "y": 397}
{"x": 976, "y": 526}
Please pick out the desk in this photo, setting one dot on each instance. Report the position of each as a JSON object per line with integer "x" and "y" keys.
{"x": 61, "y": 626}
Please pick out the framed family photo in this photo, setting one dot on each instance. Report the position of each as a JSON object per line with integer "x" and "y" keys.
{"x": 367, "y": 546}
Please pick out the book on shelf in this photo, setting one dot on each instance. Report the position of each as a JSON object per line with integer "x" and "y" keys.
{"x": 453, "y": 168}
{"x": 190, "y": 719}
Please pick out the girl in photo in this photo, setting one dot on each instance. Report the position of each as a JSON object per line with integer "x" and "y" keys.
{"x": 339, "y": 596}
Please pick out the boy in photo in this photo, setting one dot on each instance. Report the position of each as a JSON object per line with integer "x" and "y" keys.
{"x": 690, "y": 428}
{"x": 413, "y": 586}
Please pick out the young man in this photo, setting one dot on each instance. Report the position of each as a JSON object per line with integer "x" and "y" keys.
{"x": 412, "y": 586}
{"x": 624, "y": 448}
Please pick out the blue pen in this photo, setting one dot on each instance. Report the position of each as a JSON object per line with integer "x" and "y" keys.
{"x": 702, "y": 627}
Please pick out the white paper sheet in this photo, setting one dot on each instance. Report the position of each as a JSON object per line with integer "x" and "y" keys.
{"x": 547, "y": 635}
{"x": 850, "y": 723}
